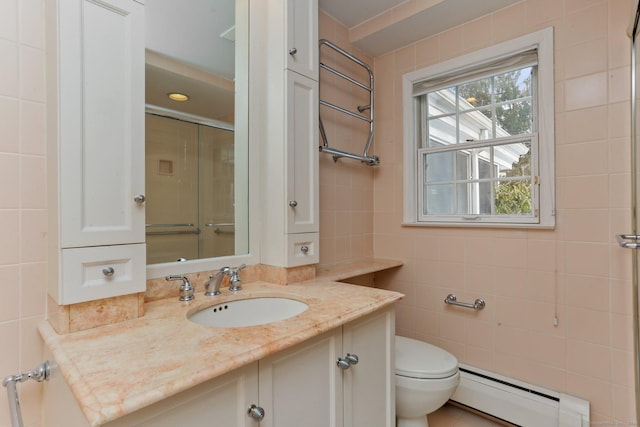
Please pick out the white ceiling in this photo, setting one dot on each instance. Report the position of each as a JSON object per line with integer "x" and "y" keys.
{"x": 353, "y": 12}
{"x": 190, "y": 32}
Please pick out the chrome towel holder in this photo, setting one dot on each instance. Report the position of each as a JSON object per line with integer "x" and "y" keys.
{"x": 478, "y": 304}
{"x": 39, "y": 373}
{"x": 366, "y": 157}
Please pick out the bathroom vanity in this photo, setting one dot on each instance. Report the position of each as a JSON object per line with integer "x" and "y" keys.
{"x": 165, "y": 370}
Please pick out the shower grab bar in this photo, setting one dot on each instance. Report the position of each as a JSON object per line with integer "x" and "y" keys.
{"x": 478, "y": 304}
{"x": 220, "y": 231}
{"x": 171, "y": 232}
{"x": 169, "y": 225}
{"x": 39, "y": 373}
{"x": 365, "y": 158}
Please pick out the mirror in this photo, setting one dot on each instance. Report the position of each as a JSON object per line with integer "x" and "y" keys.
{"x": 196, "y": 149}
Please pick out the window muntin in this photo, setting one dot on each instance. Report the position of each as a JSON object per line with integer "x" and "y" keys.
{"x": 491, "y": 193}
{"x": 467, "y": 167}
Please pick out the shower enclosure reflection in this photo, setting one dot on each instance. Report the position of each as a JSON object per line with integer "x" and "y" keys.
{"x": 190, "y": 190}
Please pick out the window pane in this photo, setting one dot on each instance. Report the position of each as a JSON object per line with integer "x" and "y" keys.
{"x": 442, "y": 102}
{"x": 484, "y": 164}
{"x": 438, "y": 199}
{"x": 462, "y": 166}
{"x": 464, "y": 190}
{"x": 442, "y": 131}
{"x": 476, "y": 125}
{"x": 513, "y": 160}
{"x": 484, "y": 198}
{"x": 515, "y": 118}
{"x": 475, "y": 94}
{"x": 438, "y": 167}
{"x": 513, "y": 85}
{"x": 514, "y": 197}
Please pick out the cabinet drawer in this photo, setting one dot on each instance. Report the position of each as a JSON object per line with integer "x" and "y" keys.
{"x": 302, "y": 249}
{"x": 102, "y": 272}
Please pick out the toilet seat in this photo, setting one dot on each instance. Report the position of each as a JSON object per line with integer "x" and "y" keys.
{"x": 417, "y": 359}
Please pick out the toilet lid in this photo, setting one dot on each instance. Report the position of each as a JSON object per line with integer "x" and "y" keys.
{"x": 417, "y": 359}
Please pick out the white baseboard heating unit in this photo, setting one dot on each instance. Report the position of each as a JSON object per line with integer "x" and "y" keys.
{"x": 517, "y": 402}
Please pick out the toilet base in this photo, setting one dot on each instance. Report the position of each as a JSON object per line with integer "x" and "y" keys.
{"x": 412, "y": 422}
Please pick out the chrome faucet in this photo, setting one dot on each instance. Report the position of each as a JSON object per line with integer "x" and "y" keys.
{"x": 212, "y": 286}
{"x": 234, "y": 278}
{"x": 186, "y": 288}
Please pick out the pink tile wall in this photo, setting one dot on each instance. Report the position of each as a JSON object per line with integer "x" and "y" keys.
{"x": 346, "y": 186}
{"x": 22, "y": 198}
{"x": 575, "y": 272}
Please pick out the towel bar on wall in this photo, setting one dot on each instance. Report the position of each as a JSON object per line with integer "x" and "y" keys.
{"x": 39, "y": 373}
{"x": 478, "y": 304}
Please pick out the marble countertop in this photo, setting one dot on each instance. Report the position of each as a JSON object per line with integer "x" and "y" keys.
{"x": 117, "y": 369}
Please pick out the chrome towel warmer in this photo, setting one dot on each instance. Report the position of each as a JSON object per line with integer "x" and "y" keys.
{"x": 366, "y": 158}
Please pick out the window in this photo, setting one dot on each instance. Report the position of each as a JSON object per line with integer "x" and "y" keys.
{"x": 479, "y": 142}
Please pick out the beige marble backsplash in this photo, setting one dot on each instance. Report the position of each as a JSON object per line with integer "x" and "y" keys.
{"x": 91, "y": 314}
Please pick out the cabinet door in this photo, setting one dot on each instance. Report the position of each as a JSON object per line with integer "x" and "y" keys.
{"x": 302, "y": 154}
{"x": 221, "y": 402}
{"x": 302, "y": 386}
{"x": 101, "y": 121}
{"x": 302, "y": 37}
{"x": 369, "y": 386}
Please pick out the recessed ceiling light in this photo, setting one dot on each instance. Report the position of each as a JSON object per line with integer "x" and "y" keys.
{"x": 180, "y": 97}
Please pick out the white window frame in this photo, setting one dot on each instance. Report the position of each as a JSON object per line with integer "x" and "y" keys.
{"x": 543, "y": 159}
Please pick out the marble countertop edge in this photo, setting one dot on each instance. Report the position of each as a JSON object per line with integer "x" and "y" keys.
{"x": 100, "y": 405}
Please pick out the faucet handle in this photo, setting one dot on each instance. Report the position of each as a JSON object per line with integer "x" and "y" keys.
{"x": 235, "y": 270}
{"x": 186, "y": 288}
{"x": 234, "y": 278}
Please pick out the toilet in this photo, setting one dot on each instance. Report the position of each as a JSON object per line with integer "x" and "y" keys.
{"x": 426, "y": 377}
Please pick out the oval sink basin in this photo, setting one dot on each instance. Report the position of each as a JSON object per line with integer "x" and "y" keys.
{"x": 248, "y": 312}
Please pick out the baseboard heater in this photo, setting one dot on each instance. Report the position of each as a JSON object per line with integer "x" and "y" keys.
{"x": 517, "y": 402}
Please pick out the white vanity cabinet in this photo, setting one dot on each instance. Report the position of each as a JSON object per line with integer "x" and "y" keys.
{"x": 304, "y": 386}
{"x": 95, "y": 125}
{"x": 299, "y": 386}
{"x": 288, "y": 130}
{"x": 219, "y": 403}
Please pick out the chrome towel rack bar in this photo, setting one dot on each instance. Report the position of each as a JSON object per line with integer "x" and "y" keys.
{"x": 478, "y": 304}
{"x": 39, "y": 373}
{"x": 196, "y": 230}
{"x": 365, "y": 158}
{"x": 169, "y": 225}
{"x": 628, "y": 241}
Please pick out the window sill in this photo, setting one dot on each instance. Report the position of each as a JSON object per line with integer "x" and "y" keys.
{"x": 479, "y": 225}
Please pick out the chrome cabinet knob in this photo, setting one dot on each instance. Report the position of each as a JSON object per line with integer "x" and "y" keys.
{"x": 349, "y": 359}
{"x": 108, "y": 271}
{"x": 293, "y": 51}
{"x": 304, "y": 249}
{"x": 353, "y": 359}
{"x": 343, "y": 364}
{"x": 255, "y": 412}
{"x": 139, "y": 198}
{"x": 293, "y": 203}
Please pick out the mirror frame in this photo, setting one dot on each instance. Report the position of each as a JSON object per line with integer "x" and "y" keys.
{"x": 248, "y": 171}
